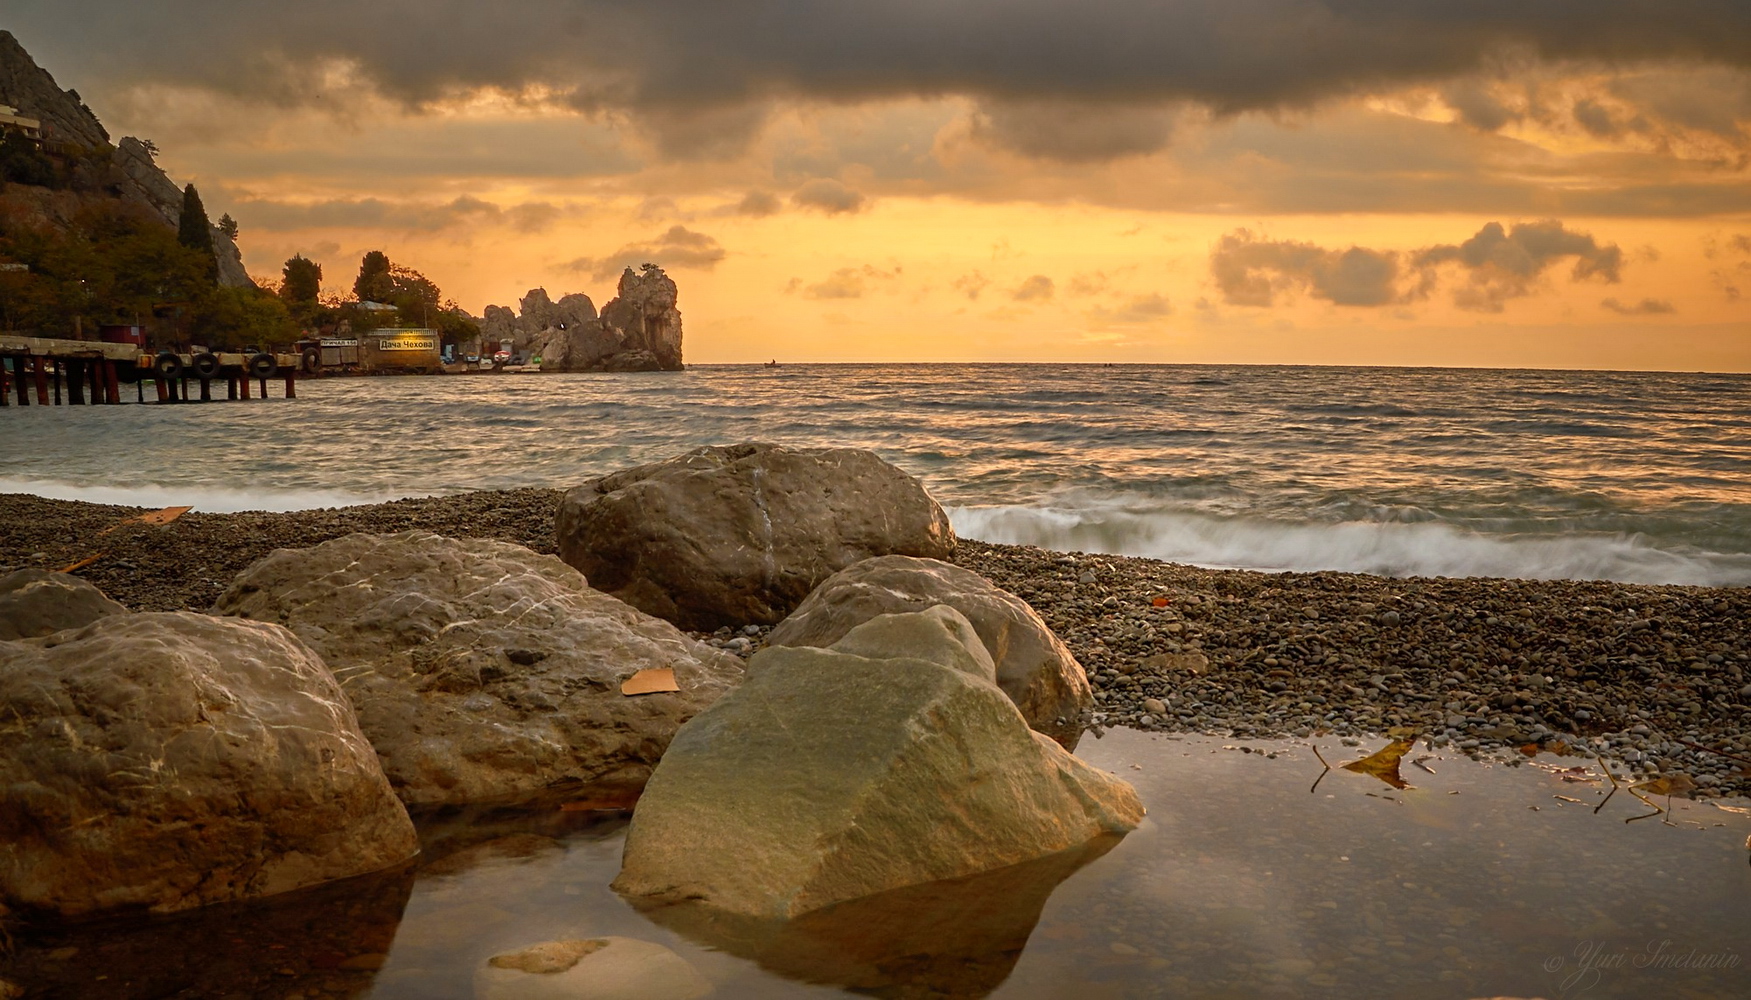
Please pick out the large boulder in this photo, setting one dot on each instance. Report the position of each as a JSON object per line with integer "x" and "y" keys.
{"x": 35, "y": 602}
{"x": 1034, "y": 667}
{"x": 171, "y": 760}
{"x": 740, "y": 534}
{"x": 644, "y": 311}
{"x": 832, "y": 775}
{"x": 482, "y": 670}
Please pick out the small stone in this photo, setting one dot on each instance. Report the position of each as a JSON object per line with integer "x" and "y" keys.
{"x": 1087, "y": 576}
{"x": 1154, "y": 706}
{"x": 750, "y": 630}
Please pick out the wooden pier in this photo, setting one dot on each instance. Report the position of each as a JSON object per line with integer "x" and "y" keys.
{"x": 48, "y": 371}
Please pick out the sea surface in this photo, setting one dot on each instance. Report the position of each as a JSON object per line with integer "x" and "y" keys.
{"x": 1637, "y": 477}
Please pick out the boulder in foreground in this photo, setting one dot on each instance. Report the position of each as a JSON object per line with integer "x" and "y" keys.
{"x": 740, "y": 534}
{"x": 832, "y": 775}
{"x": 35, "y": 603}
{"x": 482, "y": 670}
{"x": 167, "y": 761}
{"x": 1034, "y": 667}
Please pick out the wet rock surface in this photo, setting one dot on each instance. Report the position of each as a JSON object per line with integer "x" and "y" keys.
{"x": 1035, "y": 669}
{"x": 1649, "y": 678}
{"x": 608, "y": 968}
{"x": 481, "y": 669}
{"x": 830, "y": 776}
{"x": 171, "y": 760}
{"x": 741, "y": 534}
{"x": 35, "y": 603}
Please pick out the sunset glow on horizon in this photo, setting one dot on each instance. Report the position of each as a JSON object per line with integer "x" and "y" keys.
{"x": 1492, "y": 192}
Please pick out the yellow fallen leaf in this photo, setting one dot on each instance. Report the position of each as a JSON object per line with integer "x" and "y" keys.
{"x": 1383, "y": 763}
{"x": 164, "y": 516}
{"x": 1671, "y": 784}
{"x": 652, "y": 681}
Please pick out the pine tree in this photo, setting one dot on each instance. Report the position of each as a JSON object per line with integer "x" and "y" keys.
{"x": 228, "y": 226}
{"x": 195, "y": 231}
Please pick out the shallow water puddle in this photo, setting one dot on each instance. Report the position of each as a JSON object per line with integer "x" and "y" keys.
{"x": 1247, "y": 880}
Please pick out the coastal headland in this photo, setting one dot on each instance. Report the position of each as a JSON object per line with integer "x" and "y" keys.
{"x": 1654, "y": 677}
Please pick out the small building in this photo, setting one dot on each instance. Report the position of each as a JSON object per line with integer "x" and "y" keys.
{"x": 397, "y": 350}
{"x": 12, "y": 121}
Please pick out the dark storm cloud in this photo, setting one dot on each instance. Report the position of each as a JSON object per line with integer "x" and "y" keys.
{"x": 1497, "y": 264}
{"x": 679, "y": 247}
{"x": 681, "y": 58}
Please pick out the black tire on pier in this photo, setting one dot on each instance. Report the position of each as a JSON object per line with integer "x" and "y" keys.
{"x": 205, "y": 365}
{"x": 311, "y": 361}
{"x": 262, "y": 366}
{"x": 167, "y": 366}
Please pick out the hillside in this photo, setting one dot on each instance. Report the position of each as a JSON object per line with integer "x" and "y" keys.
{"x": 92, "y": 169}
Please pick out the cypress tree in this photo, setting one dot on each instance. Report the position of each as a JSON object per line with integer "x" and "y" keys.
{"x": 195, "y": 231}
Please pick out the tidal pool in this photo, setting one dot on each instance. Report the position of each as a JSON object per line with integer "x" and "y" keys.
{"x": 1479, "y": 880}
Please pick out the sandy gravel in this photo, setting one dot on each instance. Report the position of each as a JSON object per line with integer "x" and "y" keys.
{"x": 1477, "y": 664}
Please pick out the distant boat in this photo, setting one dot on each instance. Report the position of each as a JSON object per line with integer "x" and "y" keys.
{"x": 773, "y": 363}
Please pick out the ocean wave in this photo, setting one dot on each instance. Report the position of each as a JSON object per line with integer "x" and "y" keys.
{"x": 1393, "y": 548}
{"x": 213, "y": 500}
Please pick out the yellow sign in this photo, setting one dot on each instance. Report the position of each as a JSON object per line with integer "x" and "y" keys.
{"x": 421, "y": 341}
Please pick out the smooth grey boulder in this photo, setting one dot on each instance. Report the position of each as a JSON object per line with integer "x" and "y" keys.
{"x": 1034, "y": 667}
{"x": 740, "y": 534}
{"x": 35, "y": 602}
{"x": 830, "y": 776}
{"x": 170, "y": 760}
{"x": 482, "y": 670}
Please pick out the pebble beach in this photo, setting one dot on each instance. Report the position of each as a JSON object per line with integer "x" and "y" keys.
{"x": 1651, "y": 678}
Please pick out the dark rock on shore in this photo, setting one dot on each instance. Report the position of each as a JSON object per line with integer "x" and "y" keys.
{"x": 170, "y": 760}
{"x": 35, "y": 603}
{"x": 1035, "y": 669}
{"x": 741, "y": 534}
{"x": 890, "y": 759}
{"x": 481, "y": 670}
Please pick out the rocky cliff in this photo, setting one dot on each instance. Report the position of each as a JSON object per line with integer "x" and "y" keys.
{"x": 132, "y": 173}
{"x": 639, "y": 330}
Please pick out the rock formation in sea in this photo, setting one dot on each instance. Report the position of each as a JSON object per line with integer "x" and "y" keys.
{"x": 131, "y": 171}
{"x": 170, "y": 760}
{"x": 1033, "y": 666}
{"x": 480, "y": 669}
{"x": 740, "y": 534}
{"x": 887, "y": 760}
{"x": 638, "y": 330}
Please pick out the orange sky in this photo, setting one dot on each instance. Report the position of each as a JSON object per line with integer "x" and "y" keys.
{"x": 910, "y": 219}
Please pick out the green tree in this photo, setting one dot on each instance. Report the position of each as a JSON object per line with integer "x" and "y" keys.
{"x": 300, "y": 280}
{"x": 195, "y": 231}
{"x": 228, "y": 226}
{"x": 234, "y": 318}
{"x": 373, "y": 283}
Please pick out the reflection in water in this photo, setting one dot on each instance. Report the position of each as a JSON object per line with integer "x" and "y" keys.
{"x": 1475, "y": 880}
{"x": 331, "y": 938}
{"x": 954, "y": 938}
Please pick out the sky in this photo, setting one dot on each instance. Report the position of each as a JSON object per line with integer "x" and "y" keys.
{"x": 1401, "y": 182}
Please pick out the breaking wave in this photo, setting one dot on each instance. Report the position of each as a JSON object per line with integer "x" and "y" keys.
{"x": 1392, "y": 548}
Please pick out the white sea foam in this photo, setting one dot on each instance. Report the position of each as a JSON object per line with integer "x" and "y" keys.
{"x": 214, "y": 500}
{"x": 1383, "y": 549}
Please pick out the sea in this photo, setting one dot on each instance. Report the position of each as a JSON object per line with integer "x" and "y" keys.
{"x": 1630, "y": 476}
